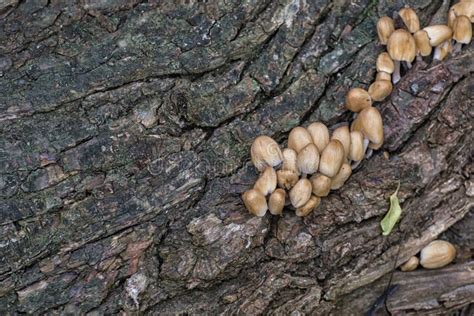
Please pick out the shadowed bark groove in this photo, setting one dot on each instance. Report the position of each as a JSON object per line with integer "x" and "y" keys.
{"x": 124, "y": 149}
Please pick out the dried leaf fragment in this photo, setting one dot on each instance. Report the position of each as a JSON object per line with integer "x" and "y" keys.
{"x": 393, "y": 214}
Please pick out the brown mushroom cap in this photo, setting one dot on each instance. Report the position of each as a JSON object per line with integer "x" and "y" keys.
{"x": 401, "y": 46}
{"x": 289, "y": 160}
{"x": 438, "y": 34}
{"x": 437, "y": 254}
{"x": 422, "y": 42}
{"x": 306, "y": 209}
{"x": 320, "y": 135}
{"x": 410, "y": 19}
{"x": 341, "y": 177}
{"x": 383, "y": 76}
{"x": 357, "y": 150}
{"x": 286, "y": 179}
{"x": 276, "y": 202}
{"x": 299, "y": 138}
{"x": 462, "y": 29}
{"x": 461, "y": 8}
{"x": 342, "y": 134}
{"x": 385, "y": 28}
{"x": 300, "y": 193}
{"x": 265, "y": 152}
{"x": 321, "y": 184}
{"x": 385, "y": 63}
{"x": 332, "y": 158}
{"x": 381, "y": 89}
{"x": 308, "y": 159}
{"x": 357, "y": 99}
{"x": 410, "y": 265}
{"x": 267, "y": 181}
{"x": 255, "y": 202}
{"x": 369, "y": 122}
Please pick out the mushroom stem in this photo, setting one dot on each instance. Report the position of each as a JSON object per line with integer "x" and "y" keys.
{"x": 437, "y": 53}
{"x": 369, "y": 153}
{"x": 355, "y": 164}
{"x": 419, "y": 58}
{"x": 457, "y": 47}
{"x": 408, "y": 64}
{"x": 396, "y": 72}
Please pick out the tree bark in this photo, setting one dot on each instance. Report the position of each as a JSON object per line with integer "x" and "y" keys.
{"x": 125, "y": 137}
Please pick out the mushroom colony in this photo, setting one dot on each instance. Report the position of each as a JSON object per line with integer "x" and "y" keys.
{"x": 317, "y": 161}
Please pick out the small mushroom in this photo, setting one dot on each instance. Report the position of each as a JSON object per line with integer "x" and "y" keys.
{"x": 300, "y": 193}
{"x": 289, "y": 160}
{"x": 276, "y": 202}
{"x": 385, "y": 63}
{"x": 342, "y": 134}
{"x": 369, "y": 122}
{"x": 344, "y": 173}
{"x": 437, "y": 254}
{"x": 437, "y": 34}
{"x": 357, "y": 99}
{"x": 255, "y": 202}
{"x": 321, "y": 184}
{"x": 410, "y": 265}
{"x": 410, "y": 19}
{"x": 385, "y": 28}
{"x": 461, "y": 8}
{"x": 332, "y": 158}
{"x": 312, "y": 203}
{"x": 267, "y": 181}
{"x": 462, "y": 32}
{"x": 443, "y": 50}
{"x": 422, "y": 42}
{"x": 357, "y": 150}
{"x": 286, "y": 179}
{"x": 265, "y": 152}
{"x": 383, "y": 76}
{"x": 401, "y": 47}
{"x": 299, "y": 138}
{"x": 380, "y": 89}
{"x": 308, "y": 159}
{"x": 320, "y": 135}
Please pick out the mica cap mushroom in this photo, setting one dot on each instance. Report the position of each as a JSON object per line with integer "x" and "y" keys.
{"x": 300, "y": 193}
{"x": 286, "y": 179}
{"x": 357, "y": 99}
{"x": 306, "y": 209}
{"x": 265, "y": 152}
{"x": 380, "y": 89}
{"x": 357, "y": 149}
{"x": 308, "y": 159}
{"x": 385, "y": 63}
{"x": 369, "y": 122}
{"x": 341, "y": 177}
{"x": 267, "y": 181}
{"x": 401, "y": 47}
{"x": 462, "y": 31}
{"x": 276, "y": 202}
{"x": 320, "y": 135}
{"x": 299, "y": 138}
{"x": 410, "y": 19}
{"x": 385, "y": 28}
{"x": 437, "y": 254}
{"x": 289, "y": 160}
{"x": 321, "y": 185}
{"x": 332, "y": 158}
{"x": 422, "y": 42}
{"x": 437, "y": 34}
{"x": 255, "y": 202}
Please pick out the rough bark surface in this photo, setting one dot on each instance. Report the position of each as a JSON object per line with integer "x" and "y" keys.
{"x": 125, "y": 135}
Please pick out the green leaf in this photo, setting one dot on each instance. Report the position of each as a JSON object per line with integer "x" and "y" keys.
{"x": 393, "y": 214}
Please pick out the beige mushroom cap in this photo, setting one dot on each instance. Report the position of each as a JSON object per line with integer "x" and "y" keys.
{"x": 308, "y": 159}
{"x": 265, "y": 152}
{"x": 286, "y": 179}
{"x": 462, "y": 29}
{"x": 299, "y": 138}
{"x": 342, "y": 134}
{"x": 276, "y": 202}
{"x": 443, "y": 50}
{"x": 369, "y": 122}
{"x": 381, "y": 75}
{"x": 341, "y": 177}
{"x": 320, "y": 135}
{"x": 410, "y": 19}
{"x": 267, "y": 181}
{"x": 385, "y": 63}
{"x": 461, "y": 8}
{"x": 422, "y": 42}
{"x": 255, "y": 202}
{"x": 401, "y": 46}
{"x": 437, "y": 254}
{"x": 410, "y": 265}
{"x": 357, "y": 150}
{"x": 300, "y": 193}
{"x": 385, "y": 27}
{"x": 321, "y": 184}
{"x": 438, "y": 34}
{"x": 357, "y": 99}
{"x": 332, "y": 158}
{"x": 379, "y": 90}
{"x": 306, "y": 209}
{"x": 289, "y": 160}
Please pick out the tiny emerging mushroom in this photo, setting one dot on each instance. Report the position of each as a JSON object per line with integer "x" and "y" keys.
{"x": 332, "y": 158}
{"x": 380, "y": 89}
{"x": 401, "y": 47}
{"x": 320, "y": 135}
{"x": 410, "y": 19}
{"x": 341, "y": 177}
{"x": 300, "y": 193}
{"x": 299, "y": 138}
{"x": 267, "y": 181}
{"x": 342, "y": 134}
{"x": 276, "y": 202}
{"x": 385, "y": 27}
{"x": 357, "y": 99}
{"x": 255, "y": 202}
{"x": 286, "y": 179}
{"x": 462, "y": 32}
{"x": 308, "y": 159}
{"x": 265, "y": 152}
{"x": 410, "y": 265}
{"x": 308, "y": 207}
{"x": 321, "y": 184}
{"x": 385, "y": 63}
{"x": 422, "y": 41}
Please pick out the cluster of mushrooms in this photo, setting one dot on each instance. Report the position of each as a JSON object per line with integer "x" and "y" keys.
{"x": 436, "y": 254}
{"x": 316, "y": 162}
